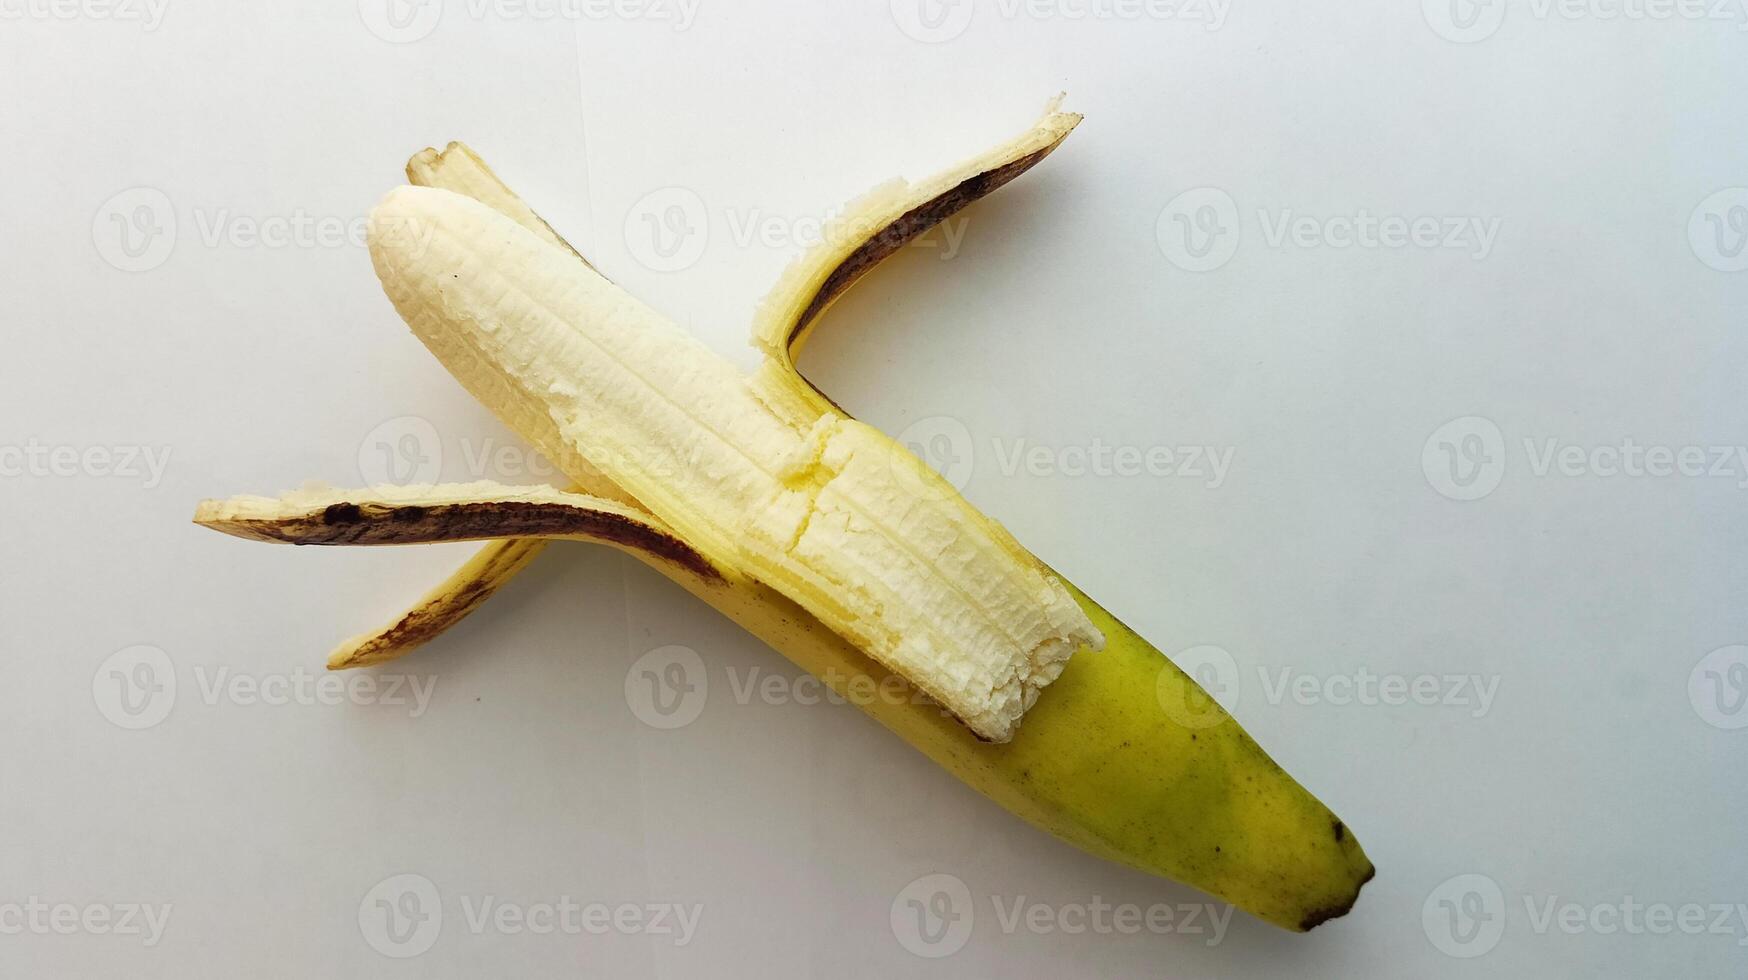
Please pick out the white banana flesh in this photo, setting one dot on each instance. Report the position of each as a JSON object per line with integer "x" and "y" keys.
{"x": 866, "y": 231}
{"x": 825, "y": 510}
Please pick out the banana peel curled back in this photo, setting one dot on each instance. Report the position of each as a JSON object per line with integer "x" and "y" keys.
{"x": 1102, "y": 761}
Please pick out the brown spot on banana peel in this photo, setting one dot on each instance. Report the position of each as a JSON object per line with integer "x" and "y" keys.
{"x": 447, "y": 605}
{"x": 370, "y": 523}
{"x": 1317, "y": 917}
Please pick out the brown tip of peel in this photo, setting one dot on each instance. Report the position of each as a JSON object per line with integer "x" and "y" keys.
{"x": 1317, "y": 917}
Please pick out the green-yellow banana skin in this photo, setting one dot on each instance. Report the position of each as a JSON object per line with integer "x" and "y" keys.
{"x": 1102, "y": 764}
{"x": 1110, "y": 769}
{"x": 1099, "y": 760}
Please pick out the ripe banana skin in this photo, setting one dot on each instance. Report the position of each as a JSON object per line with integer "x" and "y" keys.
{"x": 1100, "y": 761}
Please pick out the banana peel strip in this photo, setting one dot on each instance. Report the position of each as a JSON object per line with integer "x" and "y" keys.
{"x": 878, "y": 224}
{"x": 869, "y": 230}
{"x": 444, "y": 513}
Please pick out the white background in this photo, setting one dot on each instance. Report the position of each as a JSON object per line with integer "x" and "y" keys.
{"x": 1601, "y": 308}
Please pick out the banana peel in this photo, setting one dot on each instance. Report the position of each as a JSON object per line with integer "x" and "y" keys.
{"x": 1107, "y": 760}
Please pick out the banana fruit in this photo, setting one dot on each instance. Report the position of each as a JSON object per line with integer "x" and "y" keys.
{"x": 820, "y": 509}
{"x": 1104, "y": 760}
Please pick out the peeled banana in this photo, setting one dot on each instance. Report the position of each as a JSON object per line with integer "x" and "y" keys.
{"x": 1100, "y": 760}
